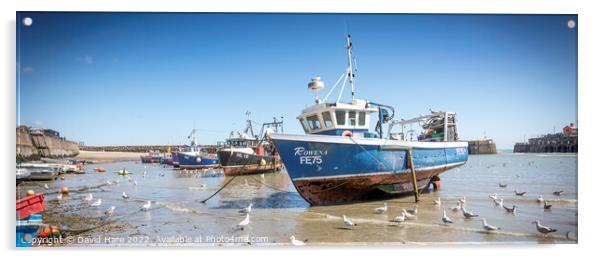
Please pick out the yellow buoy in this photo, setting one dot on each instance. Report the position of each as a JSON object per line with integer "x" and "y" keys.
{"x": 262, "y": 162}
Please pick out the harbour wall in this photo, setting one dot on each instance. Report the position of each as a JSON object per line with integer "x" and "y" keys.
{"x": 34, "y": 144}
{"x": 481, "y": 147}
{"x": 550, "y": 143}
{"x": 139, "y": 149}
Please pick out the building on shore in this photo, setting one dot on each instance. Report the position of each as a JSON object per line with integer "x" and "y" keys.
{"x": 481, "y": 147}
{"x": 562, "y": 142}
{"x": 36, "y": 143}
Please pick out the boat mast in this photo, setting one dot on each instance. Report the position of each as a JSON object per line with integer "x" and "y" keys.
{"x": 249, "y": 125}
{"x": 350, "y": 74}
{"x": 192, "y": 137}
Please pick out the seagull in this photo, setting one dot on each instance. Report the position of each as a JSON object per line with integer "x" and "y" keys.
{"x": 60, "y": 196}
{"x": 109, "y": 211}
{"x": 558, "y": 193}
{"x": 468, "y": 214}
{"x": 499, "y": 202}
{"x": 413, "y": 211}
{"x": 400, "y": 218}
{"x": 462, "y": 200}
{"x": 493, "y": 196}
{"x": 203, "y": 186}
{"x": 348, "y": 222}
{"x": 543, "y": 229}
{"x": 503, "y": 185}
{"x": 162, "y": 174}
{"x": 513, "y": 209}
{"x": 46, "y": 186}
{"x": 296, "y": 242}
{"x": 89, "y": 197}
{"x": 458, "y": 207}
{"x": 540, "y": 199}
{"x": 546, "y": 205}
{"x": 244, "y": 222}
{"x": 487, "y": 226}
{"x": 408, "y": 215}
{"x": 437, "y": 201}
{"x": 519, "y": 193}
{"x": 96, "y": 203}
{"x": 144, "y": 174}
{"x": 109, "y": 182}
{"x": 381, "y": 210}
{"x": 135, "y": 182}
{"x": 125, "y": 196}
{"x": 146, "y": 206}
{"x": 445, "y": 218}
{"x": 247, "y": 209}
{"x": 117, "y": 181}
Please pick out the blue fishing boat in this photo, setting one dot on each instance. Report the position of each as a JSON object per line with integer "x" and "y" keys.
{"x": 339, "y": 160}
{"x": 195, "y": 156}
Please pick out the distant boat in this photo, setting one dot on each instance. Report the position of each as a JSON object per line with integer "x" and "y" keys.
{"x": 340, "y": 160}
{"x": 37, "y": 172}
{"x": 153, "y": 157}
{"x": 22, "y": 175}
{"x": 245, "y": 153}
{"x": 195, "y": 156}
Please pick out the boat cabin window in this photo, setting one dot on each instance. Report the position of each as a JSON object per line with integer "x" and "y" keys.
{"x": 327, "y": 119}
{"x": 304, "y": 124}
{"x": 340, "y": 117}
{"x": 314, "y": 122}
{"x": 362, "y": 118}
{"x": 352, "y": 118}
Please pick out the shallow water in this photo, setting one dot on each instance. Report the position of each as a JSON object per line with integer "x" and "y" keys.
{"x": 177, "y": 216}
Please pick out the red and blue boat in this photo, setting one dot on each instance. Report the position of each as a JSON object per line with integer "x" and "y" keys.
{"x": 339, "y": 160}
{"x": 195, "y": 156}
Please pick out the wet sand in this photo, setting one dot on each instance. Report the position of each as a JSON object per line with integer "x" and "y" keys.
{"x": 107, "y": 157}
{"x": 177, "y": 217}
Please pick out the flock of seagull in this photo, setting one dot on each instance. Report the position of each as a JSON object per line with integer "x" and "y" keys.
{"x": 410, "y": 214}
{"x": 108, "y": 212}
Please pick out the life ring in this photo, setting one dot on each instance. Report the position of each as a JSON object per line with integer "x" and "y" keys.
{"x": 347, "y": 133}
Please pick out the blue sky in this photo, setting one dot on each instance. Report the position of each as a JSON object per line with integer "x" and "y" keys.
{"x": 149, "y": 78}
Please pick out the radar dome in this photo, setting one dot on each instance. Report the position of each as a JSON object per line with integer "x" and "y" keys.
{"x": 315, "y": 85}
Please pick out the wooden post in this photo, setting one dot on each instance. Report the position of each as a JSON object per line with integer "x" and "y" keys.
{"x": 410, "y": 162}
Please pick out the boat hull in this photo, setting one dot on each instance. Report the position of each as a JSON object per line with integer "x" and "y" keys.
{"x": 150, "y": 159}
{"x": 240, "y": 163}
{"x": 188, "y": 161}
{"x": 329, "y": 170}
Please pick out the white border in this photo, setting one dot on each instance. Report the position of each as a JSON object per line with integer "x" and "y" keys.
{"x": 589, "y": 106}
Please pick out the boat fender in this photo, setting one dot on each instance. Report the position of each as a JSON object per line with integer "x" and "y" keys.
{"x": 262, "y": 162}
{"x": 198, "y": 159}
{"x": 347, "y": 133}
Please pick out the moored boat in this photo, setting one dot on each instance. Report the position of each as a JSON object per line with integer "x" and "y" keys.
{"x": 339, "y": 160}
{"x": 244, "y": 153}
{"x": 195, "y": 156}
{"x": 152, "y": 157}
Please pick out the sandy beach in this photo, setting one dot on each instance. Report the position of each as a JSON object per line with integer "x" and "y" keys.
{"x": 107, "y": 157}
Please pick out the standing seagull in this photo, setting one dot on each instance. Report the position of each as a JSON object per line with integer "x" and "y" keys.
{"x": 247, "y": 209}
{"x": 96, "y": 203}
{"x": 413, "y": 211}
{"x": 381, "y": 210}
{"x": 46, "y": 186}
{"x": 59, "y": 197}
{"x": 540, "y": 199}
{"x": 493, "y": 196}
{"x": 135, "y": 182}
{"x": 543, "y": 229}
{"x": 468, "y": 214}
{"x": 400, "y": 218}
{"x": 296, "y": 242}
{"x": 125, "y": 196}
{"x": 462, "y": 200}
{"x": 458, "y": 207}
{"x": 348, "y": 222}
{"x": 558, "y": 193}
{"x": 408, "y": 215}
{"x": 512, "y": 210}
{"x": 519, "y": 193}
{"x": 487, "y": 226}
{"x": 146, "y": 206}
{"x": 89, "y": 197}
{"x": 437, "y": 201}
{"x": 110, "y": 211}
{"x": 499, "y": 202}
{"x": 445, "y": 218}
{"x": 245, "y": 222}
{"x": 546, "y": 206}
{"x": 503, "y": 185}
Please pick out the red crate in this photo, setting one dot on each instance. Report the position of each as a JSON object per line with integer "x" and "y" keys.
{"x": 30, "y": 205}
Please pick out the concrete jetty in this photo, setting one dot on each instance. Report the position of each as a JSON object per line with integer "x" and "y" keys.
{"x": 37, "y": 143}
{"x": 481, "y": 147}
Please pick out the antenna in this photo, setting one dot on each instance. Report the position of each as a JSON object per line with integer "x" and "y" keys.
{"x": 350, "y": 74}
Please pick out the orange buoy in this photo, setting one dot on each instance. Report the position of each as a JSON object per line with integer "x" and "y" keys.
{"x": 347, "y": 133}
{"x": 30, "y": 193}
{"x": 64, "y": 190}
